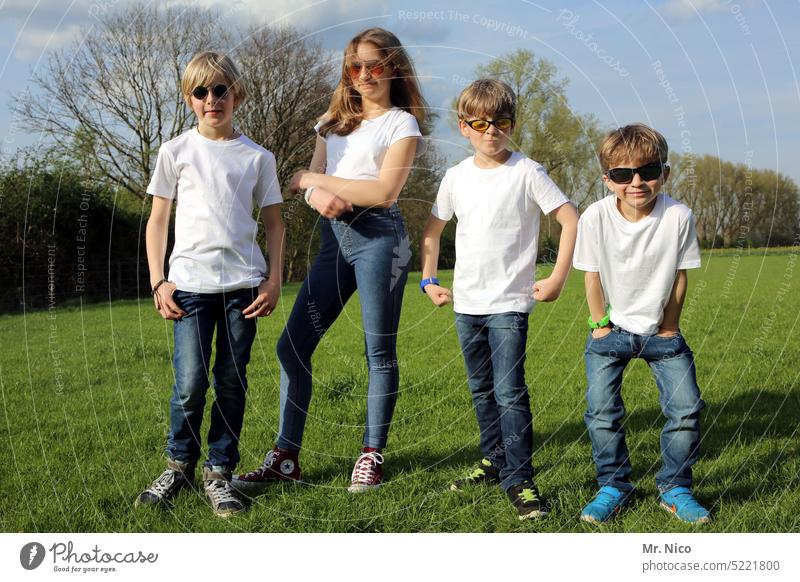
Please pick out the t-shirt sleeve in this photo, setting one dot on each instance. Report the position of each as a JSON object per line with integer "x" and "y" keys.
{"x": 164, "y": 181}
{"x": 586, "y": 257}
{"x": 406, "y": 126}
{"x": 268, "y": 190}
{"x": 689, "y": 251}
{"x": 443, "y": 206}
{"x": 542, "y": 190}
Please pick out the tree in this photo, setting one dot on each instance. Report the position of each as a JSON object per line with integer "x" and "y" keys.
{"x": 289, "y": 86}
{"x": 114, "y": 96}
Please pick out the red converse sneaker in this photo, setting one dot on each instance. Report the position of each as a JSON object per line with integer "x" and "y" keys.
{"x": 279, "y": 465}
{"x": 367, "y": 473}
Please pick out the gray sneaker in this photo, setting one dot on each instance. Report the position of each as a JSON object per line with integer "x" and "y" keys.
{"x": 167, "y": 486}
{"x": 224, "y": 499}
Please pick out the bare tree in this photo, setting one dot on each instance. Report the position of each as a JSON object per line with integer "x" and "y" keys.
{"x": 114, "y": 96}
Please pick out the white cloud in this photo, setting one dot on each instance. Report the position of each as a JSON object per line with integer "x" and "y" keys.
{"x": 31, "y": 41}
{"x": 689, "y": 8}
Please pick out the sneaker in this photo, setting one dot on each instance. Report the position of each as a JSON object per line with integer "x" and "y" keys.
{"x": 680, "y": 502}
{"x": 525, "y": 497}
{"x": 224, "y": 499}
{"x": 367, "y": 473}
{"x": 167, "y": 486}
{"x": 279, "y": 465}
{"x": 483, "y": 472}
{"x": 605, "y": 505}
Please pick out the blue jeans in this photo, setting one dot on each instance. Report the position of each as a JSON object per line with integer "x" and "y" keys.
{"x": 366, "y": 250}
{"x": 494, "y": 355}
{"x": 672, "y": 364}
{"x": 193, "y": 339}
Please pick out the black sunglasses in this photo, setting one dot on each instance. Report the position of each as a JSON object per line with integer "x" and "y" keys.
{"x": 482, "y": 125}
{"x": 219, "y": 91}
{"x": 647, "y": 172}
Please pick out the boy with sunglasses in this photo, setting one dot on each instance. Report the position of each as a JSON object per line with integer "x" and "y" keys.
{"x": 635, "y": 247}
{"x": 217, "y": 275}
{"x": 497, "y": 196}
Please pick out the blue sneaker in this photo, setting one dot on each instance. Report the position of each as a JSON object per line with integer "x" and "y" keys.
{"x": 680, "y": 502}
{"x": 605, "y": 505}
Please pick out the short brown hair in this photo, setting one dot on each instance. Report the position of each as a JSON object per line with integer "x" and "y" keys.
{"x": 202, "y": 69}
{"x": 487, "y": 97}
{"x": 633, "y": 142}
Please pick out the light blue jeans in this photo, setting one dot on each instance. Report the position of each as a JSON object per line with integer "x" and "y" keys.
{"x": 672, "y": 364}
{"x": 366, "y": 250}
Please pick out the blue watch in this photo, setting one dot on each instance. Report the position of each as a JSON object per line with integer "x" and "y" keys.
{"x": 429, "y": 281}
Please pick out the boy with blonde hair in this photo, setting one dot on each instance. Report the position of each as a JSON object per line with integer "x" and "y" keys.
{"x": 635, "y": 246}
{"x": 217, "y": 275}
{"x": 497, "y": 196}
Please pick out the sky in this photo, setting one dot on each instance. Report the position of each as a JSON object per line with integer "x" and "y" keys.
{"x": 716, "y": 77}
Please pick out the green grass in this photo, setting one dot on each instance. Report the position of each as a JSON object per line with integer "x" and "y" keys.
{"x": 85, "y": 399}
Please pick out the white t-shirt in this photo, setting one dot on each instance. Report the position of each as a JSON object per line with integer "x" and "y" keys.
{"x": 359, "y": 155}
{"x": 217, "y": 184}
{"x": 497, "y": 231}
{"x": 637, "y": 261}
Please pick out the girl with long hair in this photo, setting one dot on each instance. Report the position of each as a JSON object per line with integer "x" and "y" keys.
{"x": 365, "y": 146}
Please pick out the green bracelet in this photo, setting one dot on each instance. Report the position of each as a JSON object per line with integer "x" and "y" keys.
{"x": 603, "y": 322}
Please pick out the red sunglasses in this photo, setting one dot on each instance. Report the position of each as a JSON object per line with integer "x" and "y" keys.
{"x": 375, "y": 68}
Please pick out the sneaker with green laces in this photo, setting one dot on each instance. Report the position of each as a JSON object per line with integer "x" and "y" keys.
{"x": 483, "y": 472}
{"x": 680, "y": 502}
{"x": 525, "y": 497}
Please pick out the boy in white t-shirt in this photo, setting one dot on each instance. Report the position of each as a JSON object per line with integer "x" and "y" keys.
{"x": 497, "y": 196}
{"x": 635, "y": 247}
{"x": 216, "y": 275}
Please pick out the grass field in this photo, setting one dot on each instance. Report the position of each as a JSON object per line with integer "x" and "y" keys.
{"x": 85, "y": 395}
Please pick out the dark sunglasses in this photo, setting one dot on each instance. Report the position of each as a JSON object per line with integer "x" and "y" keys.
{"x": 219, "y": 91}
{"x": 375, "y": 68}
{"x": 482, "y": 125}
{"x": 647, "y": 172}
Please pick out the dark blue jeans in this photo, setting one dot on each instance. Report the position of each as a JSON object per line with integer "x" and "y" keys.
{"x": 367, "y": 250}
{"x": 193, "y": 340}
{"x": 494, "y": 354}
{"x": 672, "y": 364}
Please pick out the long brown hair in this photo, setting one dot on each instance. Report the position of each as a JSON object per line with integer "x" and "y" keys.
{"x": 345, "y": 111}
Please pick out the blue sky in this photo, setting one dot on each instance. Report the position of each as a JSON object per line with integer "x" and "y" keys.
{"x": 715, "y": 76}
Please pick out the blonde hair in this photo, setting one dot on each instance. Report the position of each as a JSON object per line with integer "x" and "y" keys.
{"x": 345, "y": 111}
{"x": 633, "y": 143}
{"x": 204, "y": 67}
{"x": 487, "y": 97}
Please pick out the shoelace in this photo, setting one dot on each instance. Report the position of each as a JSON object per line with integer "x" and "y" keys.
{"x": 160, "y": 487}
{"x": 268, "y": 461}
{"x": 221, "y": 491}
{"x": 528, "y": 495}
{"x": 364, "y": 470}
{"x": 476, "y": 473}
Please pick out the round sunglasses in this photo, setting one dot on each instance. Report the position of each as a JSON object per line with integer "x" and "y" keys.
{"x": 482, "y": 125}
{"x": 647, "y": 172}
{"x": 219, "y": 91}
